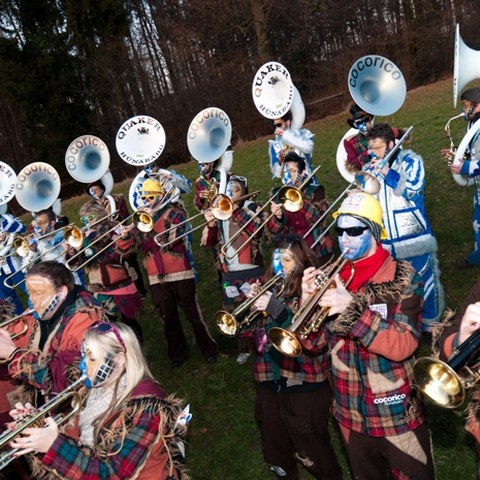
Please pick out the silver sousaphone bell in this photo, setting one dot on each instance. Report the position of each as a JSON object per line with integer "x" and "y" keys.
{"x": 87, "y": 159}
{"x": 8, "y": 179}
{"x": 377, "y": 85}
{"x": 37, "y": 187}
{"x": 140, "y": 140}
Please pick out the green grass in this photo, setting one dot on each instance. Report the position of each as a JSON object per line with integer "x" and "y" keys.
{"x": 223, "y": 439}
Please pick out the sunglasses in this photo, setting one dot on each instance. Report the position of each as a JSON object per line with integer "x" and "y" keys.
{"x": 149, "y": 197}
{"x": 278, "y": 125}
{"x": 103, "y": 328}
{"x": 359, "y": 122}
{"x": 350, "y": 231}
{"x": 86, "y": 219}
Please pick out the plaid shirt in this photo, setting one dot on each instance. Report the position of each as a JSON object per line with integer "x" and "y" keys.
{"x": 271, "y": 365}
{"x": 372, "y": 364}
{"x": 357, "y": 151}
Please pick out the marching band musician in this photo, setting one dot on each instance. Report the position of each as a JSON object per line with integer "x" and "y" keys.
{"x": 373, "y": 332}
{"x": 209, "y": 175}
{"x": 129, "y": 427}
{"x": 172, "y": 277}
{"x": 10, "y": 226}
{"x": 314, "y": 205}
{"x": 117, "y": 203}
{"x": 287, "y": 139}
{"x": 108, "y": 275}
{"x": 241, "y": 268}
{"x": 409, "y": 235}
{"x": 471, "y": 166}
{"x": 293, "y": 395}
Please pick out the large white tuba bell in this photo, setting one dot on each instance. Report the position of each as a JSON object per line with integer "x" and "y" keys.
{"x": 466, "y": 65}
{"x": 140, "y": 140}
{"x": 377, "y": 85}
{"x": 463, "y": 180}
{"x": 8, "y": 179}
{"x": 209, "y": 135}
{"x": 37, "y": 187}
{"x": 87, "y": 159}
{"x": 342, "y": 156}
{"x": 273, "y": 90}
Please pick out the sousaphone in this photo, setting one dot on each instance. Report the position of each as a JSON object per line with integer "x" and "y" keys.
{"x": 37, "y": 187}
{"x": 140, "y": 140}
{"x": 8, "y": 179}
{"x": 87, "y": 159}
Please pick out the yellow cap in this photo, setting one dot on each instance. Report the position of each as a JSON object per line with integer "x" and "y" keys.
{"x": 364, "y": 205}
{"x": 151, "y": 186}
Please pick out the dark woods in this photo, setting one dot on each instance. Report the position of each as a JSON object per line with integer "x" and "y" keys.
{"x": 71, "y": 67}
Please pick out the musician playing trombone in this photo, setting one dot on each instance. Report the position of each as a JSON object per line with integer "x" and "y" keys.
{"x": 372, "y": 330}
{"x": 129, "y": 427}
{"x": 293, "y": 396}
{"x": 409, "y": 235}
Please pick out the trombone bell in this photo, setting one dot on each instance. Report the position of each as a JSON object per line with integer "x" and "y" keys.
{"x": 73, "y": 236}
{"x": 291, "y": 198}
{"x": 20, "y": 246}
{"x": 439, "y": 382}
{"x": 143, "y": 221}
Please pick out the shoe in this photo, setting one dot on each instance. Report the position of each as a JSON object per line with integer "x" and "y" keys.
{"x": 179, "y": 361}
{"x": 464, "y": 263}
{"x": 211, "y": 358}
{"x": 242, "y": 358}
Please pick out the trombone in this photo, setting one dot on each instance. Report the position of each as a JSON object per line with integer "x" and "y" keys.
{"x": 35, "y": 419}
{"x": 306, "y": 321}
{"x": 291, "y": 199}
{"x": 8, "y": 321}
{"x": 221, "y": 207}
{"x": 141, "y": 219}
{"x": 227, "y": 322}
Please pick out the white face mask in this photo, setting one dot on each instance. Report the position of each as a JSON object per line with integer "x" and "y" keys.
{"x": 359, "y": 246}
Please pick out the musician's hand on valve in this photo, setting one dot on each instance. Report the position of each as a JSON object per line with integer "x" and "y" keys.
{"x": 276, "y": 209}
{"x": 36, "y": 439}
{"x": 308, "y": 282}
{"x": 262, "y": 302}
{"x": 470, "y": 321}
{"x": 338, "y": 299}
{"x": 20, "y": 412}
{"x": 376, "y": 164}
{"x": 7, "y": 346}
{"x": 455, "y": 169}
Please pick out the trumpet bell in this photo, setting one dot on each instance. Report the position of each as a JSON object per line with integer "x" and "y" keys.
{"x": 291, "y": 198}
{"x": 209, "y": 135}
{"x": 272, "y": 90}
{"x": 73, "y": 236}
{"x": 87, "y": 159}
{"x": 439, "y": 382}
{"x": 222, "y": 207}
{"x": 37, "y": 187}
{"x": 226, "y": 323}
{"x": 285, "y": 342}
{"x": 20, "y": 245}
{"x": 377, "y": 85}
{"x": 143, "y": 221}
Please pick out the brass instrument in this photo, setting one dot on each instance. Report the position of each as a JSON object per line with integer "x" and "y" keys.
{"x": 35, "y": 419}
{"x": 141, "y": 219}
{"x": 445, "y": 382}
{"x": 307, "y": 320}
{"x": 291, "y": 199}
{"x": 229, "y": 324}
{"x": 221, "y": 207}
{"x": 8, "y": 321}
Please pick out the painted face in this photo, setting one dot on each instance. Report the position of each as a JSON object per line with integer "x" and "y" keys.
{"x": 98, "y": 371}
{"x": 470, "y": 109}
{"x": 363, "y": 125}
{"x": 43, "y": 297}
{"x": 360, "y": 243}
{"x": 378, "y": 146}
{"x": 43, "y": 222}
{"x": 235, "y": 190}
{"x": 279, "y": 126}
{"x": 277, "y": 262}
{"x": 288, "y": 261}
{"x": 96, "y": 191}
{"x": 205, "y": 168}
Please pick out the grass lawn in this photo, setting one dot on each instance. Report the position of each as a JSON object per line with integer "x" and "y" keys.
{"x": 223, "y": 439}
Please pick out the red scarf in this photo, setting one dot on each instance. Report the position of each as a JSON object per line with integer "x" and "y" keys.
{"x": 365, "y": 269}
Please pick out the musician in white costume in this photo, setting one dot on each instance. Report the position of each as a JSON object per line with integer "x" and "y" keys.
{"x": 409, "y": 235}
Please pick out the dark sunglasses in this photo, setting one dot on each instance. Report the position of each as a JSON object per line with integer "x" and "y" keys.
{"x": 350, "y": 231}
{"x": 103, "y": 327}
{"x": 278, "y": 125}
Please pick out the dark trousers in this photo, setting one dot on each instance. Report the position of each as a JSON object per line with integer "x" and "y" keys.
{"x": 166, "y": 297}
{"x": 132, "y": 261}
{"x": 294, "y": 428}
{"x": 371, "y": 458}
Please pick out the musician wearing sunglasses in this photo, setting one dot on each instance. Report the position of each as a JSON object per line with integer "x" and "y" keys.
{"x": 107, "y": 272}
{"x": 129, "y": 427}
{"x": 409, "y": 235}
{"x": 302, "y": 221}
{"x": 171, "y": 275}
{"x": 293, "y": 396}
{"x": 288, "y": 139}
{"x": 372, "y": 331}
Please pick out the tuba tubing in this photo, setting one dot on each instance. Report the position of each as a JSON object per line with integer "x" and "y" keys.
{"x": 463, "y": 180}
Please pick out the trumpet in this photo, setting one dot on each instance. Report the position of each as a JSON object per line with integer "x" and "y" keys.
{"x": 227, "y": 322}
{"x": 445, "y": 382}
{"x": 291, "y": 199}
{"x": 141, "y": 219}
{"x": 8, "y": 321}
{"x": 36, "y": 419}
{"x": 220, "y": 206}
{"x": 304, "y": 322}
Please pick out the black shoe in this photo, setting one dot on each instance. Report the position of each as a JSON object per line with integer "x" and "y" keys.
{"x": 464, "y": 263}
{"x": 211, "y": 358}
{"x": 179, "y": 361}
